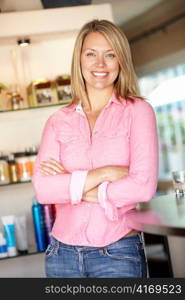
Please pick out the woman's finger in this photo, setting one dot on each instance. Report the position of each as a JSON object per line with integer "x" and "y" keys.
{"x": 45, "y": 172}
{"x": 52, "y": 167}
{"x": 52, "y": 164}
{"x": 48, "y": 171}
{"x": 56, "y": 163}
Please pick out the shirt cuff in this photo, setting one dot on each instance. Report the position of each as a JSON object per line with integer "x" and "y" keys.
{"x": 110, "y": 210}
{"x": 76, "y": 185}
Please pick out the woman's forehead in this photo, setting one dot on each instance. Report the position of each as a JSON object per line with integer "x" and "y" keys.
{"x": 94, "y": 40}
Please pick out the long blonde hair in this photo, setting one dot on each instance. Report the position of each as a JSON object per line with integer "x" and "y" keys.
{"x": 126, "y": 83}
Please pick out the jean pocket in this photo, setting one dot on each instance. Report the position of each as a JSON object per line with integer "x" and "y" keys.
{"x": 125, "y": 253}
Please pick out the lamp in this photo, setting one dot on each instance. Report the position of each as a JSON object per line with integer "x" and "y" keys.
{"x": 23, "y": 42}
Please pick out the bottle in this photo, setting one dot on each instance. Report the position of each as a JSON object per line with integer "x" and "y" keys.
{"x": 3, "y": 247}
{"x": 23, "y": 166}
{"x": 49, "y": 219}
{"x": 9, "y": 231}
{"x": 32, "y": 154}
{"x": 13, "y": 168}
{"x": 63, "y": 87}
{"x": 39, "y": 226}
{"x": 15, "y": 101}
{"x": 4, "y": 170}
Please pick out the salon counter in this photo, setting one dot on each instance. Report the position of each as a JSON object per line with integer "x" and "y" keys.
{"x": 164, "y": 215}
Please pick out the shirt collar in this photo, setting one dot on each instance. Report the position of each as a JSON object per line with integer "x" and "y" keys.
{"x": 113, "y": 99}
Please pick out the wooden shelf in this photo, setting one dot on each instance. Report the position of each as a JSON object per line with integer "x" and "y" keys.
{"x": 15, "y": 183}
{"x": 36, "y": 107}
{"x": 21, "y": 255}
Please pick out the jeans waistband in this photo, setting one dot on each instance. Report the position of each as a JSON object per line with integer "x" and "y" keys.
{"x": 137, "y": 238}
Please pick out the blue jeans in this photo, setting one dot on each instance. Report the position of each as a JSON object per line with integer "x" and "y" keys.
{"x": 124, "y": 258}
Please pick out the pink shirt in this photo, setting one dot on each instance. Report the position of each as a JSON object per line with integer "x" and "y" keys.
{"x": 124, "y": 134}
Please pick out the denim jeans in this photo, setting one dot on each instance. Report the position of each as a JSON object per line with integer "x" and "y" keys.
{"x": 124, "y": 258}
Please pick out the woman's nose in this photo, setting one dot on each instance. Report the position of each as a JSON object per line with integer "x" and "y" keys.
{"x": 100, "y": 62}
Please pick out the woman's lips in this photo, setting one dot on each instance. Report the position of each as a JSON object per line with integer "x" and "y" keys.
{"x": 99, "y": 74}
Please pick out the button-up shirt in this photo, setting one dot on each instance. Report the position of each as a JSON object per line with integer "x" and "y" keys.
{"x": 124, "y": 134}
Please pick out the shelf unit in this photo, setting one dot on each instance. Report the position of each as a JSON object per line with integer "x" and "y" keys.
{"x": 35, "y": 107}
{"x": 21, "y": 255}
{"x": 52, "y": 36}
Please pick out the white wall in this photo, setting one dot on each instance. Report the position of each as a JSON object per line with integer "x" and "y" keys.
{"x": 48, "y": 56}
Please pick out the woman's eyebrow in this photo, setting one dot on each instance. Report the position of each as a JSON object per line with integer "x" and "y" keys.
{"x": 96, "y": 50}
{"x": 89, "y": 49}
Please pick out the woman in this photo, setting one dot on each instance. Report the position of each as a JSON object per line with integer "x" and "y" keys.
{"x": 97, "y": 160}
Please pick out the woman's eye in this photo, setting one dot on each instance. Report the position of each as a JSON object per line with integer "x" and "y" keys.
{"x": 90, "y": 54}
{"x": 111, "y": 55}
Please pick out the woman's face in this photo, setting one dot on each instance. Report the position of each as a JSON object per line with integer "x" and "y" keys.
{"x": 99, "y": 64}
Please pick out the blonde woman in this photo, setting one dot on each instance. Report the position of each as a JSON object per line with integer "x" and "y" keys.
{"x": 97, "y": 160}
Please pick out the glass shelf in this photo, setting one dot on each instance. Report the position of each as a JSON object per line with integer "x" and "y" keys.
{"x": 14, "y": 183}
{"x": 36, "y": 107}
{"x": 21, "y": 255}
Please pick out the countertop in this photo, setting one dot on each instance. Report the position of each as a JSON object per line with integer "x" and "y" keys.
{"x": 163, "y": 215}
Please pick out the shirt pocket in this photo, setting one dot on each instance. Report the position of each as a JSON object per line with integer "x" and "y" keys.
{"x": 66, "y": 137}
{"x": 116, "y": 133}
{"x": 115, "y": 146}
{"x": 70, "y": 143}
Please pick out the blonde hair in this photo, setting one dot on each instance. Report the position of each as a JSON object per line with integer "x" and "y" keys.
{"x": 126, "y": 83}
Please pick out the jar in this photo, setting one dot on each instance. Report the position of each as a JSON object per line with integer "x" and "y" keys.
{"x": 63, "y": 87}
{"x": 4, "y": 171}
{"x": 41, "y": 93}
{"x": 15, "y": 101}
{"x": 32, "y": 154}
{"x": 23, "y": 166}
{"x": 13, "y": 171}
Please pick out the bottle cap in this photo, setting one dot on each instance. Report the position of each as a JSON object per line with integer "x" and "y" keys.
{"x": 34, "y": 201}
{"x": 11, "y": 157}
{"x": 12, "y": 251}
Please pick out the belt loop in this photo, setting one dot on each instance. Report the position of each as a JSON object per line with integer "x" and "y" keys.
{"x": 141, "y": 237}
{"x": 57, "y": 244}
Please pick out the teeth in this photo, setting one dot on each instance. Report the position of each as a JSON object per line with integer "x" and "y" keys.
{"x": 99, "y": 74}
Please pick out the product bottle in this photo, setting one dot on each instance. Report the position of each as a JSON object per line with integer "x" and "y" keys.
{"x": 4, "y": 170}
{"x": 23, "y": 166}
{"x": 9, "y": 231}
{"x": 13, "y": 168}
{"x": 39, "y": 226}
{"x": 21, "y": 234}
{"x": 49, "y": 219}
{"x": 31, "y": 153}
{"x": 15, "y": 100}
{"x": 3, "y": 247}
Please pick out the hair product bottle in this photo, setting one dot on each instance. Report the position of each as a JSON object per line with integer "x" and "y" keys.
{"x": 39, "y": 226}
{"x": 9, "y": 231}
{"x": 3, "y": 247}
{"x": 49, "y": 219}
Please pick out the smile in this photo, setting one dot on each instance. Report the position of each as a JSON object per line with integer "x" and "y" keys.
{"x": 99, "y": 74}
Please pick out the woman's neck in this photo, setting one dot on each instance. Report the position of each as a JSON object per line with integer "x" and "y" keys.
{"x": 97, "y": 99}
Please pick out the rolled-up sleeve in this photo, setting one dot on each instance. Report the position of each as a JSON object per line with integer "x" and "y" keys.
{"x": 55, "y": 189}
{"x": 140, "y": 185}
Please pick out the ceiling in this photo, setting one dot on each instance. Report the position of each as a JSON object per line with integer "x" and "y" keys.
{"x": 123, "y": 10}
{"x": 133, "y": 16}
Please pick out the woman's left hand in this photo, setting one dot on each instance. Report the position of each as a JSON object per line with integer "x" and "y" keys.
{"x": 52, "y": 167}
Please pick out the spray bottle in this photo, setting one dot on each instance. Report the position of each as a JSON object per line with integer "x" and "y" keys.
{"x": 39, "y": 226}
